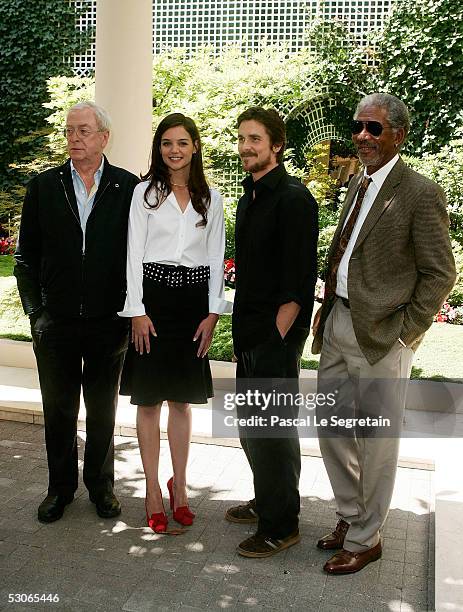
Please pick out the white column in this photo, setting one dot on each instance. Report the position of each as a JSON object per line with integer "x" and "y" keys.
{"x": 123, "y": 75}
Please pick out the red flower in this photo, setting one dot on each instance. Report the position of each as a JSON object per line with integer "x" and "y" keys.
{"x": 229, "y": 272}
{"x": 446, "y": 314}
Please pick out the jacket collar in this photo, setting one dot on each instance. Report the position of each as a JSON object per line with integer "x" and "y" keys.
{"x": 382, "y": 201}
{"x": 65, "y": 176}
{"x": 65, "y": 169}
{"x": 385, "y": 196}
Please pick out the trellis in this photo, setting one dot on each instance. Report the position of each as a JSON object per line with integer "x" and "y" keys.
{"x": 309, "y": 114}
{"x": 219, "y": 23}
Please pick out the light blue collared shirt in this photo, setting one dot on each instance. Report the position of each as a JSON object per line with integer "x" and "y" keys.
{"x": 85, "y": 200}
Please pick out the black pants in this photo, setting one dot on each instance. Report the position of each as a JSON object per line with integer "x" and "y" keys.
{"x": 75, "y": 354}
{"x": 275, "y": 461}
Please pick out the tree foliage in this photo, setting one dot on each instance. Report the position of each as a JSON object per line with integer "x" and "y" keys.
{"x": 445, "y": 168}
{"x": 37, "y": 39}
{"x": 342, "y": 71}
{"x": 212, "y": 90}
{"x": 421, "y": 62}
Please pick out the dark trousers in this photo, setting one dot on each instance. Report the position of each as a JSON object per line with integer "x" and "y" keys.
{"x": 275, "y": 461}
{"x": 75, "y": 354}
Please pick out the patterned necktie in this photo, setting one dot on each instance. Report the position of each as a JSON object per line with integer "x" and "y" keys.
{"x": 346, "y": 233}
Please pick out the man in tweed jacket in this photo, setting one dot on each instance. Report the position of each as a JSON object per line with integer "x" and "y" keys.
{"x": 386, "y": 286}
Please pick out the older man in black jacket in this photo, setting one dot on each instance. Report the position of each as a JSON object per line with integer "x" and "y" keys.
{"x": 70, "y": 269}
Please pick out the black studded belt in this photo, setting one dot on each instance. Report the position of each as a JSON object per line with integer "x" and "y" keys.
{"x": 175, "y": 276}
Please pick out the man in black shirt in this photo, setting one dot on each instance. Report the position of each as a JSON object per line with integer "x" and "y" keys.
{"x": 276, "y": 269}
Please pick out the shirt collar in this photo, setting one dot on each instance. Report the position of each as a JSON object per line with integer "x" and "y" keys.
{"x": 380, "y": 175}
{"x": 269, "y": 180}
{"x": 98, "y": 173}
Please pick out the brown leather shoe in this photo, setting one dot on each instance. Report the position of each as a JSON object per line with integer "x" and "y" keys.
{"x": 335, "y": 539}
{"x": 347, "y": 562}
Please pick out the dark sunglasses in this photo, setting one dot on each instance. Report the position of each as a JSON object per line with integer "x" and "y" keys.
{"x": 372, "y": 127}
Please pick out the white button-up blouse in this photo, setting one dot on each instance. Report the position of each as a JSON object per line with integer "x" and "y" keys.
{"x": 166, "y": 235}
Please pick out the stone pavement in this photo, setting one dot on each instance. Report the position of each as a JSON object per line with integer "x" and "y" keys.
{"x": 118, "y": 564}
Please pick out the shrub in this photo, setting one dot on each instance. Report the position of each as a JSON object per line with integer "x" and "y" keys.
{"x": 421, "y": 61}
{"x": 444, "y": 168}
{"x": 325, "y": 238}
{"x": 229, "y": 214}
{"x": 456, "y": 295}
{"x": 37, "y": 41}
{"x": 222, "y": 345}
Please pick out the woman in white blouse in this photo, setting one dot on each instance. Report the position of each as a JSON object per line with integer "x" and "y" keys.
{"x": 175, "y": 294}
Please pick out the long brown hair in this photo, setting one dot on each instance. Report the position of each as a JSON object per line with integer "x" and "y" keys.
{"x": 158, "y": 173}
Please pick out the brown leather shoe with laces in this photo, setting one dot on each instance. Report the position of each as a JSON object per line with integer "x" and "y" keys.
{"x": 335, "y": 539}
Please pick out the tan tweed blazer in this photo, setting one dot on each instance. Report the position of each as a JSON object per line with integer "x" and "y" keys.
{"x": 402, "y": 267}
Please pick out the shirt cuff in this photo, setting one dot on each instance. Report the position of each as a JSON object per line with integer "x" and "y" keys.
{"x": 286, "y": 298}
{"x": 219, "y": 306}
{"x": 132, "y": 312}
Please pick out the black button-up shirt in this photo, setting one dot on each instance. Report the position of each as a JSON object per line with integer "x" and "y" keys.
{"x": 276, "y": 256}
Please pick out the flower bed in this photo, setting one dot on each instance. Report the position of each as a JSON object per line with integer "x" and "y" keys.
{"x": 450, "y": 314}
{"x": 7, "y": 246}
{"x": 229, "y": 272}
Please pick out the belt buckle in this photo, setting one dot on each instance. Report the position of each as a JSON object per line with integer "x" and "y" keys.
{"x": 174, "y": 277}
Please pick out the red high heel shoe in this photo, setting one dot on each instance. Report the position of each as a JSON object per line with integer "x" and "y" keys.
{"x": 182, "y": 514}
{"x": 158, "y": 521}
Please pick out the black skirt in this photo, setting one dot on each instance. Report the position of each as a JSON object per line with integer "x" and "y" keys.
{"x": 171, "y": 370}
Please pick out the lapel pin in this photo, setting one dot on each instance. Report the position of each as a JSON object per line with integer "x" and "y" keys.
{"x": 116, "y": 185}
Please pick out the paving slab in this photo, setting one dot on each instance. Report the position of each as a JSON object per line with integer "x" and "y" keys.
{"x": 119, "y": 564}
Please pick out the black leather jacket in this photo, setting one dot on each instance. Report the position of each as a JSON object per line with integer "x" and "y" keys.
{"x": 52, "y": 271}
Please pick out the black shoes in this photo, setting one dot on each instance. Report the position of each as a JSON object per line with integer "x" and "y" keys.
{"x": 107, "y": 504}
{"x": 52, "y": 507}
